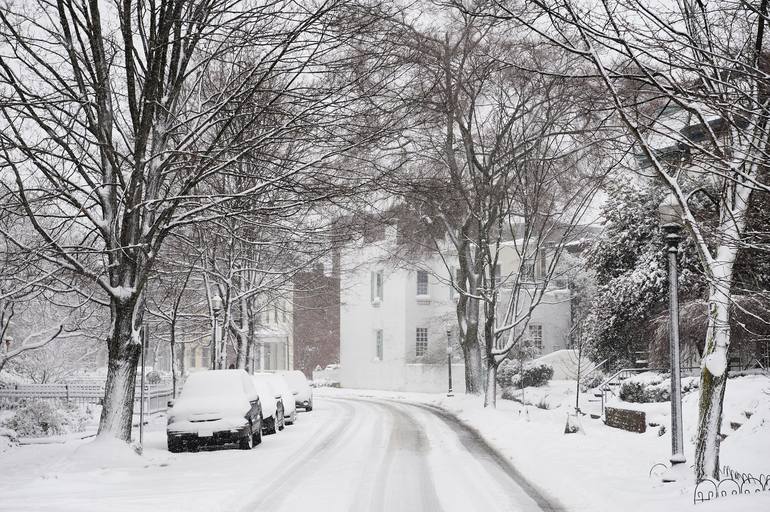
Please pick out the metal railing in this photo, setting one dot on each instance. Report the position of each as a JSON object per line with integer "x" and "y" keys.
{"x": 606, "y": 386}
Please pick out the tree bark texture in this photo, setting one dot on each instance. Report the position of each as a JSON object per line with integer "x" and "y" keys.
{"x": 712, "y": 385}
{"x": 124, "y": 353}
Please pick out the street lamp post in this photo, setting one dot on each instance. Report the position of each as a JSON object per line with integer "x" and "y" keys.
{"x": 449, "y": 359}
{"x": 670, "y": 219}
{"x": 216, "y": 307}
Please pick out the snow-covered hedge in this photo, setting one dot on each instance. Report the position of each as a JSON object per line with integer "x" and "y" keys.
{"x": 648, "y": 388}
{"x": 533, "y": 376}
{"x": 38, "y": 418}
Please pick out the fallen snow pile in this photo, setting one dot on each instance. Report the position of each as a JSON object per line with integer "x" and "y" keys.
{"x": 564, "y": 363}
{"x": 104, "y": 452}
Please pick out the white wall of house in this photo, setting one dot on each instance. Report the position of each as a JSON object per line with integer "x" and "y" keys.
{"x": 401, "y": 311}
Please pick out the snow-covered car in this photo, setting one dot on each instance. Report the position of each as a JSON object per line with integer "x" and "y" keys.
{"x": 270, "y": 396}
{"x": 300, "y": 387}
{"x": 215, "y": 408}
{"x": 289, "y": 407}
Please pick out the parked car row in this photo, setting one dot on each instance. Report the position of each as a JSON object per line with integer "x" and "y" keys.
{"x": 231, "y": 407}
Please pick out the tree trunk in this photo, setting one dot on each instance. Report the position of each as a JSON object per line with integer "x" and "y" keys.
{"x": 250, "y": 333}
{"x": 467, "y": 316}
{"x": 182, "y": 359}
{"x": 490, "y": 391}
{"x": 241, "y": 349}
{"x": 172, "y": 349}
{"x": 123, "y": 357}
{"x": 473, "y": 373}
{"x": 713, "y": 382}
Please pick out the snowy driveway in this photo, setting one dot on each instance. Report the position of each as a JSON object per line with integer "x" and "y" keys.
{"x": 347, "y": 455}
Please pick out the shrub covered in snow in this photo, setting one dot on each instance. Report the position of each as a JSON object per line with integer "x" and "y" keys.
{"x": 652, "y": 389}
{"x": 534, "y": 376}
{"x": 506, "y": 371}
{"x": 593, "y": 380}
{"x": 36, "y": 418}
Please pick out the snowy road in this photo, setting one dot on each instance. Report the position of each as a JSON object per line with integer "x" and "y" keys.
{"x": 347, "y": 455}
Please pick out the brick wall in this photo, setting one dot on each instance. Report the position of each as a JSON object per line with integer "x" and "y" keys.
{"x": 316, "y": 318}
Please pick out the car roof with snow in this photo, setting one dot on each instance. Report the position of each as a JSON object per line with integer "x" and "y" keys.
{"x": 218, "y": 383}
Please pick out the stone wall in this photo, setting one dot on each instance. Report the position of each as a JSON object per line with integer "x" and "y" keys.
{"x": 626, "y": 419}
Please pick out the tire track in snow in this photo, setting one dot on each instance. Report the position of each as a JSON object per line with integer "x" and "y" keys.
{"x": 271, "y": 493}
{"x": 404, "y": 474}
{"x": 479, "y": 447}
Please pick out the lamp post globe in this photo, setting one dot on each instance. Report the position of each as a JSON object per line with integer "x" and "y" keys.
{"x": 216, "y": 304}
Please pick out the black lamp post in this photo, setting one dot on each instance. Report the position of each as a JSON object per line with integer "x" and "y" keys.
{"x": 449, "y": 359}
{"x": 216, "y": 307}
{"x": 670, "y": 222}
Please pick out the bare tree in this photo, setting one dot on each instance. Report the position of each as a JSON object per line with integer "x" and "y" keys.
{"x": 499, "y": 152}
{"x": 689, "y": 83}
{"x": 112, "y": 135}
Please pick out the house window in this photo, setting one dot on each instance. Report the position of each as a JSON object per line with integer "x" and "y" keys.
{"x": 376, "y": 290}
{"x": 421, "y": 342}
{"x": 536, "y": 335}
{"x": 422, "y": 282}
{"x": 378, "y": 343}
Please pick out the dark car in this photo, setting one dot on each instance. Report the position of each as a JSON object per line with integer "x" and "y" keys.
{"x": 216, "y": 408}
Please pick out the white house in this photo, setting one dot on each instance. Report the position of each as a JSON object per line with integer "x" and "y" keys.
{"x": 394, "y": 318}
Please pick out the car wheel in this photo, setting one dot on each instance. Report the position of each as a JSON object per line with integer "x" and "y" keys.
{"x": 247, "y": 441}
{"x": 270, "y": 425}
{"x": 309, "y": 407}
{"x": 257, "y": 436}
{"x": 291, "y": 419}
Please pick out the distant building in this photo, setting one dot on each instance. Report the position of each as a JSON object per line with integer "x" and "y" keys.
{"x": 394, "y": 315}
{"x": 316, "y": 318}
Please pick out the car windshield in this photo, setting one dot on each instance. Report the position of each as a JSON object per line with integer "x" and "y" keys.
{"x": 268, "y": 383}
{"x": 296, "y": 379}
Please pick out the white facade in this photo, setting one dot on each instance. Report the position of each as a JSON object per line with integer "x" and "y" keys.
{"x": 275, "y": 335}
{"x": 394, "y": 336}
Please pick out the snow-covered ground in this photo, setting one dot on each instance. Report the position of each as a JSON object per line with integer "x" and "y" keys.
{"x": 104, "y": 475}
{"x": 366, "y": 450}
{"x": 348, "y": 454}
{"x": 606, "y": 469}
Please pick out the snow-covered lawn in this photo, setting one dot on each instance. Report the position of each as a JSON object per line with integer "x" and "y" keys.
{"x": 606, "y": 469}
{"x": 598, "y": 469}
